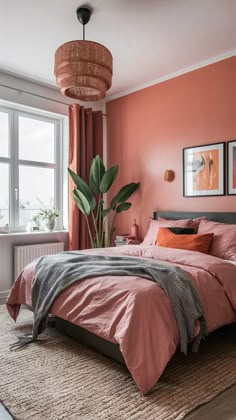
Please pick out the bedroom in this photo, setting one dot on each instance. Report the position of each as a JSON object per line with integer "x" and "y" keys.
{"x": 159, "y": 104}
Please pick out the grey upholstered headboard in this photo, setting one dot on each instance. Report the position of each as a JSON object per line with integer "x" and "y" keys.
{"x": 226, "y": 217}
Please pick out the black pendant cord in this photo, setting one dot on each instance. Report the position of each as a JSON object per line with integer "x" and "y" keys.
{"x": 83, "y": 15}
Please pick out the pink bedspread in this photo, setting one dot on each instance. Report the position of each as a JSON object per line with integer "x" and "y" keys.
{"x": 135, "y": 312}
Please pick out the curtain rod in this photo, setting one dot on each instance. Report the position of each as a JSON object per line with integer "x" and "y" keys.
{"x": 39, "y": 96}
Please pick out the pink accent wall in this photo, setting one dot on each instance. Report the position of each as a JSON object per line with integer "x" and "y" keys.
{"x": 148, "y": 129}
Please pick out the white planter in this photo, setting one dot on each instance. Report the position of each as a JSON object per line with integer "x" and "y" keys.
{"x": 50, "y": 225}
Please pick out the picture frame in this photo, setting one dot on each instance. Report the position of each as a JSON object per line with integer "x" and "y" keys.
{"x": 204, "y": 170}
{"x": 231, "y": 167}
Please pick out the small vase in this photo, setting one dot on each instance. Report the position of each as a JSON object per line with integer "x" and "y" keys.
{"x": 50, "y": 225}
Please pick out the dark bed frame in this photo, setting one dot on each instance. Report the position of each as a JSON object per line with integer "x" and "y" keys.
{"x": 106, "y": 347}
{"x": 226, "y": 217}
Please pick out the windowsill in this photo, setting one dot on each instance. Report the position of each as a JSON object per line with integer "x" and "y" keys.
{"x": 41, "y": 233}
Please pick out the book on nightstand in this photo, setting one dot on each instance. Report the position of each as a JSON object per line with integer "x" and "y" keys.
{"x": 126, "y": 240}
{"x": 120, "y": 240}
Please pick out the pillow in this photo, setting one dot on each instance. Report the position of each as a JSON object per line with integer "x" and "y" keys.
{"x": 195, "y": 221}
{"x": 181, "y": 231}
{"x": 224, "y": 242}
{"x": 195, "y": 242}
{"x": 150, "y": 237}
{"x": 151, "y": 232}
{"x": 232, "y": 262}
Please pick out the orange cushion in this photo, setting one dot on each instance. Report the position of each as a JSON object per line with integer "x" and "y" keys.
{"x": 168, "y": 239}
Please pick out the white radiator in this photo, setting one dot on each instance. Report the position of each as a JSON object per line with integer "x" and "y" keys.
{"x": 23, "y": 255}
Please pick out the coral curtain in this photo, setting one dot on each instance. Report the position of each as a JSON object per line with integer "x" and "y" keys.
{"x": 85, "y": 142}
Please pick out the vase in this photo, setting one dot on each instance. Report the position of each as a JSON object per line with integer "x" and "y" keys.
{"x": 50, "y": 225}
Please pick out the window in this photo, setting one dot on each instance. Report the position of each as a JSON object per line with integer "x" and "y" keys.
{"x": 30, "y": 165}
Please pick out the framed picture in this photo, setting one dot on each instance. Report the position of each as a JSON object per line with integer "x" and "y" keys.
{"x": 231, "y": 152}
{"x": 203, "y": 170}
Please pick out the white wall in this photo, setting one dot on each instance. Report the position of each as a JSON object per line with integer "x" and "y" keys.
{"x": 17, "y": 96}
{"x": 50, "y": 105}
{"x": 8, "y": 241}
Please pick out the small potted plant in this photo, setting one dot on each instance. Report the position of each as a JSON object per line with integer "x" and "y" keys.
{"x": 49, "y": 216}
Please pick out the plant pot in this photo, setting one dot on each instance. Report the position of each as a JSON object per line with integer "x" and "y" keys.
{"x": 50, "y": 225}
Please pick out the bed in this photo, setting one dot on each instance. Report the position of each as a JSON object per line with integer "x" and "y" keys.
{"x": 132, "y": 321}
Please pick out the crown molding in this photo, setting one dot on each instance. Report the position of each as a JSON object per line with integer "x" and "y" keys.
{"x": 201, "y": 64}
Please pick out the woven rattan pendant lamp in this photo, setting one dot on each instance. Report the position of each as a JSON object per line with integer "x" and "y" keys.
{"x": 83, "y": 69}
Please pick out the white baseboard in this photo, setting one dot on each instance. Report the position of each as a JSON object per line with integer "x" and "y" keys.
{"x": 3, "y": 296}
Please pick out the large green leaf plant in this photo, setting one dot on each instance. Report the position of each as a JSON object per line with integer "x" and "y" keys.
{"x": 89, "y": 200}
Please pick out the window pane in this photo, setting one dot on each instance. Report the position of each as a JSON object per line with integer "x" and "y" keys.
{"x": 4, "y": 148}
{"x": 4, "y": 194}
{"x": 34, "y": 184}
{"x": 36, "y": 140}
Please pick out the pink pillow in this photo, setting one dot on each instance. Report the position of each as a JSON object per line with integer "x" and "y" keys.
{"x": 195, "y": 221}
{"x": 224, "y": 241}
{"x": 154, "y": 225}
{"x": 151, "y": 232}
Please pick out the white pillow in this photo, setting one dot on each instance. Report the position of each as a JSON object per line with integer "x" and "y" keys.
{"x": 232, "y": 262}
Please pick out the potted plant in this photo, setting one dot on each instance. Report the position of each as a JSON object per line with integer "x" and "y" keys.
{"x": 49, "y": 216}
{"x": 89, "y": 199}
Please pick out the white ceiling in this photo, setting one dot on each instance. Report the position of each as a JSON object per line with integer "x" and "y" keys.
{"x": 149, "y": 39}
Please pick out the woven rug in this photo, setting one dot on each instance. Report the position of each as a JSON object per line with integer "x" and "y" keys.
{"x": 56, "y": 378}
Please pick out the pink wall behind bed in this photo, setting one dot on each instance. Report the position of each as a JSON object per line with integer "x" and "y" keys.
{"x": 148, "y": 129}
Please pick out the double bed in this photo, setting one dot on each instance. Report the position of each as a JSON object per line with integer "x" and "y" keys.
{"x": 130, "y": 319}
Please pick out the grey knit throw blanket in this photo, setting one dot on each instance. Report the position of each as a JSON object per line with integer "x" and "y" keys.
{"x": 55, "y": 273}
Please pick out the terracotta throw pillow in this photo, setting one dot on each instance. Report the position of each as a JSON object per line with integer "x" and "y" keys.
{"x": 195, "y": 242}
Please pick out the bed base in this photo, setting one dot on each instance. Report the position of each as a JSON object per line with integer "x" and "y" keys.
{"x": 89, "y": 339}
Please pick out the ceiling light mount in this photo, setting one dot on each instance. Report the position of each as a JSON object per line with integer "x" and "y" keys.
{"x": 83, "y": 15}
{"x": 83, "y": 69}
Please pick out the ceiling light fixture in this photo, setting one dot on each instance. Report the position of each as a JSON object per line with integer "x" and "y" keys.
{"x": 83, "y": 69}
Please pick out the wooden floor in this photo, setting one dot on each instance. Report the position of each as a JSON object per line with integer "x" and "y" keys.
{"x": 222, "y": 407}
{"x": 4, "y": 415}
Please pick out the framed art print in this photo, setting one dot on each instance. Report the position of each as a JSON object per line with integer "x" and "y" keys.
{"x": 231, "y": 152}
{"x": 203, "y": 170}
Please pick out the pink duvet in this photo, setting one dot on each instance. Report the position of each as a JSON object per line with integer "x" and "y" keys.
{"x": 135, "y": 312}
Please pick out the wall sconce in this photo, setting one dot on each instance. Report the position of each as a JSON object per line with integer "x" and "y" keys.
{"x": 169, "y": 175}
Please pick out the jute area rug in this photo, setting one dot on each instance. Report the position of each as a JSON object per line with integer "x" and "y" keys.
{"x": 57, "y": 378}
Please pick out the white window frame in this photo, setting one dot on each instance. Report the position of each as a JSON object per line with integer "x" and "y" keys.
{"x": 14, "y": 162}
